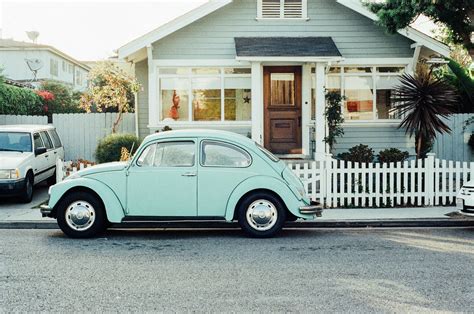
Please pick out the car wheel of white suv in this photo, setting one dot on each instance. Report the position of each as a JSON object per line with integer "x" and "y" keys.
{"x": 27, "y": 194}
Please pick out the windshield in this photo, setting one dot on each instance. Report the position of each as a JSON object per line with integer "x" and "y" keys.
{"x": 15, "y": 142}
{"x": 266, "y": 152}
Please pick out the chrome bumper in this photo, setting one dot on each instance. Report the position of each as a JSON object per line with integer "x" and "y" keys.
{"x": 468, "y": 213}
{"x": 313, "y": 209}
{"x": 46, "y": 210}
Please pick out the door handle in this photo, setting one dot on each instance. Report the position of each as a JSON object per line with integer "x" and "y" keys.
{"x": 46, "y": 155}
{"x": 189, "y": 174}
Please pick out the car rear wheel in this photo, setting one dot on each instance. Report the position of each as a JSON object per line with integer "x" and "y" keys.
{"x": 27, "y": 193}
{"x": 261, "y": 215}
{"x": 81, "y": 215}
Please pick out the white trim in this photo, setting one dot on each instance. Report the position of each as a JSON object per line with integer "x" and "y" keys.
{"x": 175, "y": 63}
{"x": 257, "y": 102}
{"x": 408, "y": 32}
{"x": 306, "y": 88}
{"x": 171, "y": 27}
{"x": 298, "y": 19}
{"x": 304, "y": 12}
{"x": 320, "y": 74}
{"x": 291, "y": 59}
{"x": 197, "y": 124}
{"x": 371, "y": 123}
{"x": 153, "y": 95}
{"x": 375, "y": 61}
{"x": 411, "y": 68}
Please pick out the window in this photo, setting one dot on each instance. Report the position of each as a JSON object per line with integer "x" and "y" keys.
{"x": 219, "y": 154}
{"x": 54, "y": 67}
{"x": 46, "y": 140}
{"x": 55, "y": 138}
{"x": 282, "y": 89}
{"x": 15, "y": 141}
{"x": 38, "y": 141}
{"x": 64, "y": 66}
{"x": 169, "y": 154}
{"x": 70, "y": 68}
{"x": 78, "y": 77}
{"x": 367, "y": 91}
{"x": 205, "y": 94}
{"x": 282, "y": 9}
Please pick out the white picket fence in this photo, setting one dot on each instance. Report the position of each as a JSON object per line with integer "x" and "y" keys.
{"x": 426, "y": 182}
{"x": 65, "y": 168}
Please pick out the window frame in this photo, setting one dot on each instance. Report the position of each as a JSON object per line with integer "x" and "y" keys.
{"x": 304, "y": 12}
{"x": 228, "y": 144}
{"x": 189, "y": 75}
{"x": 138, "y": 155}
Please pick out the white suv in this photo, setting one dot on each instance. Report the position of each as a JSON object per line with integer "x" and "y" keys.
{"x": 28, "y": 155}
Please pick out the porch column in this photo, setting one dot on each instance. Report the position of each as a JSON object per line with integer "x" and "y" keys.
{"x": 153, "y": 118}
{"x": 257, "y": 102}
{"x": 320, "y": 153}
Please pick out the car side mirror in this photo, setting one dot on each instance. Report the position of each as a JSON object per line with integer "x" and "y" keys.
{"x": 40, "y": 150}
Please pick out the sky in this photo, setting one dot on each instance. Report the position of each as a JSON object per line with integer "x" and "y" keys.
{"x": 88, "y": 29}
{"x": 91, "y": 30}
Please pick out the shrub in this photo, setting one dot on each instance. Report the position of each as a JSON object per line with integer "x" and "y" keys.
{"x": 392, "y": 155}
{"x": 110, "y": 147}
{"x": 19, "y": 101}
{"x": 65, "y": 99}
{"x": 359, "y": 153}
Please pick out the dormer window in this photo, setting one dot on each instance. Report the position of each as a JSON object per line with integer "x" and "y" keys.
{"x": 282, "y": 9}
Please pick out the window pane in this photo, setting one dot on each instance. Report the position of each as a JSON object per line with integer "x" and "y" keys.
{"x": 359, "y": 98}
{"x": 175, "y": 154}
{"x": 282, "y": 89}
{"x": 391, "y": 69}
{"x": 37, "y": 140}
{"x": 224, "y": 155}
{"x": 15, "y": 141}
{"x": 55, "y": 138}
{"x": 206, "y": 99}
{"x": 357, "y": 70}
{"x": 334, "y": 70}
{"x": 238, "y": 99}
{"x": 237, "y": 71}
{"x": 385, "y": 85}
{"x": 206, "y": 71}
{"x": 146, "y": 158}
{"x": 174, "y": 71}
{"x": 46, "y": 140}
{"x": 175, "y": 99}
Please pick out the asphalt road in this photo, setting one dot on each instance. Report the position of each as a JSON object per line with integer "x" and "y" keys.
{"x": 328, "y": 270}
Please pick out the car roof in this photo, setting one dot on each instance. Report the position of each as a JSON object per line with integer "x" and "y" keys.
{"x": 26, "y": 127}
{"x": 203, "y": 133}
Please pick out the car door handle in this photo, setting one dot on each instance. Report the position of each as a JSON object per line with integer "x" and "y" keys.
{"x": 46, "y": 155}
{"x": 189, "y": 174}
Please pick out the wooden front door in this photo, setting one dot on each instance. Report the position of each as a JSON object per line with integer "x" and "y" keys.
{"x": 282, "y": 112}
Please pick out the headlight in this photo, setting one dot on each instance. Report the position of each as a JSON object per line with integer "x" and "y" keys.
{"x": 10, "y": 174}
{"x": 466, "y": 191}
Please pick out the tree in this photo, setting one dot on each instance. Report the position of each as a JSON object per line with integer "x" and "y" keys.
{"x": 456, "y": 15}
{"x": 110, "y": 87}
{"x": 66, "y": 100}
{"x": 424, "y": 100}
{"x": 334, "y": 118}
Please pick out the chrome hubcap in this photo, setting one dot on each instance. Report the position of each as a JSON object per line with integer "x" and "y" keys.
{"x": 262, "y": 215}
{"x": 80, "y": 215}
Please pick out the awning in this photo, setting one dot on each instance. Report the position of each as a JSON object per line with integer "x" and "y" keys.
{"x": 286, "y": 49}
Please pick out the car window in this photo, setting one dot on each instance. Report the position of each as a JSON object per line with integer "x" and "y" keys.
{"x": 15, "y": 141}
{"x": 38, "y": 141}
{"x": 219, "y": 154}
{"x": 46, "y": 140}
{"x": 54, "y": 136}
{"x": 168, "y": 154}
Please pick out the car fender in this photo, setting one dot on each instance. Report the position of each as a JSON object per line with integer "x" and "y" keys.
{"x": 266, "y": 183}
{"x": 113, "y": 207}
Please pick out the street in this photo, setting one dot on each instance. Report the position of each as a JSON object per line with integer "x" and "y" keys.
{"x": 220, "y": 270}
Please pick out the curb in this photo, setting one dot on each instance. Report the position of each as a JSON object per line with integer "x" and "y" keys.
{"x": 375, "y": 223}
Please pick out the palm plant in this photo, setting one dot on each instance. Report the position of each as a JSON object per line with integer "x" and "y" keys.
{"x": 424, "y": 101}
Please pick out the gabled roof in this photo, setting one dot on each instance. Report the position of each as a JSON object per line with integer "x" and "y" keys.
{"x": 213, "y": 5}
{"x": 10, "y": 44}
{"x": 408, "y": 32}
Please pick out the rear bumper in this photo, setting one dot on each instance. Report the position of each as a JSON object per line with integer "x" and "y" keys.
{"x": 467, "y": 212}
{"x": 46, "y": 211}
{"x": 312, "y": 209}
{"x": 11, "y": 187}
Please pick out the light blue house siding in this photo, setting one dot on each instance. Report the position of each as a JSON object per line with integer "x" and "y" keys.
{"x": 212, "y": 37}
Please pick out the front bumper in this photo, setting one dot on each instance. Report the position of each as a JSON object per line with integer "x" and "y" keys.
{"x": 11, "y": 187}
{"x": 313, "y": 209}
{"x": 46, "y": 211}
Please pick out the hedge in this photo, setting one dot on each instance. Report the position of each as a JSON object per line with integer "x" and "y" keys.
{"x": 19, "y": 101}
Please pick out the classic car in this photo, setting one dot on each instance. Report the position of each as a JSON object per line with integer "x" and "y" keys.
{"x": 465, "y": 199}
{"x": 196, "y": 175}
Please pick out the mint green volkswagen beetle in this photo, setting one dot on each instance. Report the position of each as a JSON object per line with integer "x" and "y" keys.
{"x": 196, "y": 175}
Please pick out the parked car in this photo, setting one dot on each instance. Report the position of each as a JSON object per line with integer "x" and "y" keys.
{"x": 184, "y": 175}
{"x": 28, "y": 155}
{"x": 465, "y": 199}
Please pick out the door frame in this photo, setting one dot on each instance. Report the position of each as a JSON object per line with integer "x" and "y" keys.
{"x": 298, "y": 71}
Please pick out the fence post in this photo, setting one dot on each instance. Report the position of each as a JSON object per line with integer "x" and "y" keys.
{"x": 429, "y": 179}
{"x": 59, "y": 170}
{"x": 328, "y": 181}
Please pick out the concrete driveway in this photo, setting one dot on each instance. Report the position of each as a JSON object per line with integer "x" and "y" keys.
{"x": 13, "y": 207}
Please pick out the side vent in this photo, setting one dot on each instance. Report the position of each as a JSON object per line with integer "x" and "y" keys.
{"x": 271, "y": 9}
{"x": 282, "y": 9}
{"x": 293, "y": 9}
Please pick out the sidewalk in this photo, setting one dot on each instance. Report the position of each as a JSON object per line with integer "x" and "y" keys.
{"x": 30, "y": 218}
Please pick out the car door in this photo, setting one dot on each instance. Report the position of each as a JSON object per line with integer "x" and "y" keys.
{"x": 40, "y": 163}
{"x": 222, "y": 167}
{"x": 58, "y": 146}
{"x": 163, "y": 180}
{"x": 51, "y": 160}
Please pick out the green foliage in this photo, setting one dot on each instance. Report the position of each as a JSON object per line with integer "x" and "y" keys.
{"x": 334, "y": 118}
{"x": 471, "y": 141}
{"x": 360, "y": 153}
{"x": 109, "y": 148}
{"x": 19, "y": 101}
{"x": 66, "y": 100}
{"x": 458, "y": 77}
{"x": 454, "y": 14}
{"x": 392, "y": 155}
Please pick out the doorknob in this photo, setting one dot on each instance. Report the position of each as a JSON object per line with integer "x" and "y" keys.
{"x": 189, "y": 174}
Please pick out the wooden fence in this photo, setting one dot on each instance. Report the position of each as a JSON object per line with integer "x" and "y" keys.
{"x": 426, "y": 182}
{"x": 453, "y": 146}
{"x": 79, "y": 132}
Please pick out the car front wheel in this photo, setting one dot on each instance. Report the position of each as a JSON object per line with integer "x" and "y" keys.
{"x": 27, "y": 193}
{"x": 81, "y": 215}
{"x": 261, "y": 215}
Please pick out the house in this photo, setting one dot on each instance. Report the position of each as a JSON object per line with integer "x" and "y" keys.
{"x": 20, "y": 59}
{"x": 261, "y": 68}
